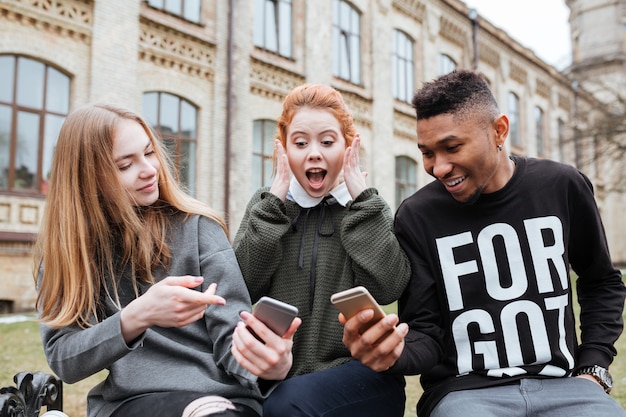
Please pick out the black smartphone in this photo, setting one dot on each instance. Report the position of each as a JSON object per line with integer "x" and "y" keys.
{"x": 275, "y": 314}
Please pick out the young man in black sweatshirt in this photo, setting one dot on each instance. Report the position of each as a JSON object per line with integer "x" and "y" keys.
{"x": 487, "y": 317}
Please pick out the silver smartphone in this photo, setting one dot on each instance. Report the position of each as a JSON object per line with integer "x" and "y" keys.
{"x": 353, "y": 300}
{"x": 275, "y": 314}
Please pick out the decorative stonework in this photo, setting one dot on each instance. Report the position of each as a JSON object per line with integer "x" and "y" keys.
{"x": 65, "y": 18}
{"x": 404, "y": 126}
{"x": 272, "y": 82}
{"x": 453, "y": 31}
{"x": 542, "y": 88}
{"x": 169, "y": 48}
{"x": 518, "y": 73}
{"x": 29, "y": 214}
{"x": 19, "y": 214}
{"x": 5, "y": 213}
{"x": 360, "y": 107}
{"x": 488, "y": 55}
{"x": 414, "y": 9}
{"x": 565, "y": 102}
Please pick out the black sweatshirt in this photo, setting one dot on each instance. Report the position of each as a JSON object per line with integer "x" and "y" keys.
{"x": 490, "y": 300}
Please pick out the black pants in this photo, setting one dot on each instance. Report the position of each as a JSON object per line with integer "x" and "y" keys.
{"x": 172, "y": 404}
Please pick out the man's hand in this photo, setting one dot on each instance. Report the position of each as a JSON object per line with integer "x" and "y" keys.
{"x": 380, "y": 346}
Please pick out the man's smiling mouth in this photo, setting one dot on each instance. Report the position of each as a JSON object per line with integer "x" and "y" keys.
{"x": 455, "y": 182}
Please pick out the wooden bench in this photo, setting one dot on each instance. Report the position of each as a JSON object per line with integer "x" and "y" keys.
{"x": 31, "y": 392}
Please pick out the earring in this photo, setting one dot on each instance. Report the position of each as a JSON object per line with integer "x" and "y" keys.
{"x": 500, "y": 147}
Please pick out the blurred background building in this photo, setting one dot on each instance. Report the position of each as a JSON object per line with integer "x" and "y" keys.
{"x": 210, "y": 76}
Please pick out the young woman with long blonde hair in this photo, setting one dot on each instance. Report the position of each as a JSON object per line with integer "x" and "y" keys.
{"x": 127, "y": 269}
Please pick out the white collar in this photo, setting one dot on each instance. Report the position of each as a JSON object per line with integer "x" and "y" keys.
{"x": 298, "y": 194}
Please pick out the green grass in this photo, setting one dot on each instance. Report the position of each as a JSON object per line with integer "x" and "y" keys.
{"x": 21, "y": 350}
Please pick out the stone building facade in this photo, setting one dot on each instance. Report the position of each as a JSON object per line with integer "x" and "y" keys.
{"x": 212, "y": 74}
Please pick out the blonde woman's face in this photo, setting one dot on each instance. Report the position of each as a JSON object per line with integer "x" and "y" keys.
{"x": 315, "y": 148}
{"x": 137, "y": 164}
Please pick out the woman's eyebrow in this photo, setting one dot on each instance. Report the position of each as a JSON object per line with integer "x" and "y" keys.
{"x": 130, "y": 155}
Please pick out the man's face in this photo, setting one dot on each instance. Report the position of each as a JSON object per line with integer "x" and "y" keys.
{"x": 462, "y": 154}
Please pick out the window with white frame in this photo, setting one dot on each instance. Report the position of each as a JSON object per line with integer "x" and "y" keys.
{"x": 402, "y": 66}
{"x": 406, "y": 178}
{"x": 514, "y": 119}
{"x": 446, "y": 64}
{"x": 273, "y": 26}
{"x": 263, "y": 135}
{"x": 34, "y": 101}
{"x": 346, "y": 42}
{"x": 176, "y": 121}
{"x": 187, "y": 9}
{"x": 539, "y": 131}
{"x": 561, "y": 138}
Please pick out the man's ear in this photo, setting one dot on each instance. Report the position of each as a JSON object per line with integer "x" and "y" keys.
{"x": 501, "y": 126}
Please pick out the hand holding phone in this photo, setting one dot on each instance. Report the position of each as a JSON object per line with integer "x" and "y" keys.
{"x": 276, "y": 315}
{"x": 353, "y": 300}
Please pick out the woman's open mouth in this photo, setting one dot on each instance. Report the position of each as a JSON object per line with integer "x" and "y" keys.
{"x": 316, "y": 176}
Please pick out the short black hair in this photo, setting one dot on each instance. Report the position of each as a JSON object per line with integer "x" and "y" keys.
{"x": 460, "y": 93}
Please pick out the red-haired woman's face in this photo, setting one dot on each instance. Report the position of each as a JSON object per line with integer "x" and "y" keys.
{"x": 137, "y": 164}
{"x": 315, "y": 148}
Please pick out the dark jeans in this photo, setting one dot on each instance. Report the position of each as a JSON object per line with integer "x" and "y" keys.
{"x": 172, "y": 404}
{"x": 351, "y": 389}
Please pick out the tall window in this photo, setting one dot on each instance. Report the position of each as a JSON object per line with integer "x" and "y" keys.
{"x": 176, "y": 121}
{"x": 272, "y": 25}
{"x": 446, "y": 64}
{"x": 539, "y": 131}
{"x": 561, "y": 133}
{"x": 187, "y": 9}
{"x": 346, "y": 42}
{"x": 34, "y": 100}
{"x": 406, "y": 178}
{"x": 514, "y": 119}
{"x": 402, "y": 62}
{"x": 263, "y": 134}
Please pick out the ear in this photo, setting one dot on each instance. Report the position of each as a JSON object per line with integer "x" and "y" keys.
{"x": 501, "y": 126}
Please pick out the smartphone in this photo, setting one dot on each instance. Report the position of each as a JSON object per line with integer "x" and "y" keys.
{"x": 276, "y": 315}
{"x": 353, "y": 300}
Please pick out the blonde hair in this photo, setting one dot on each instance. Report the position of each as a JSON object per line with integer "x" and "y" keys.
{"x": 316, "y": 96}
{"x": 74, "y": 253}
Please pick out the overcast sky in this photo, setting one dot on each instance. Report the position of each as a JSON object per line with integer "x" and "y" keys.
{"x": 541, "y": 25}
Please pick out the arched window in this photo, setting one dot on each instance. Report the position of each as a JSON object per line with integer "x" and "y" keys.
{"x": 406, "y": 178}
{"x": 346, "y": 42}
{"x": 560, "y": 123}
{"x": 263, "y": 135}
{"x": 514, "y": 120}
{"x": 272, "y": 25}
{"x": 402, "y": 70}
{"x": 539, "y": 131}
{"x": 446, "y": 64}
{"x": 176, "y": 121}
{"x": 34, "y": 100}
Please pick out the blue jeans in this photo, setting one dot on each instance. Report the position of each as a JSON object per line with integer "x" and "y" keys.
{"x": 558, "y": 397}
{"x": 351, "y": 389}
